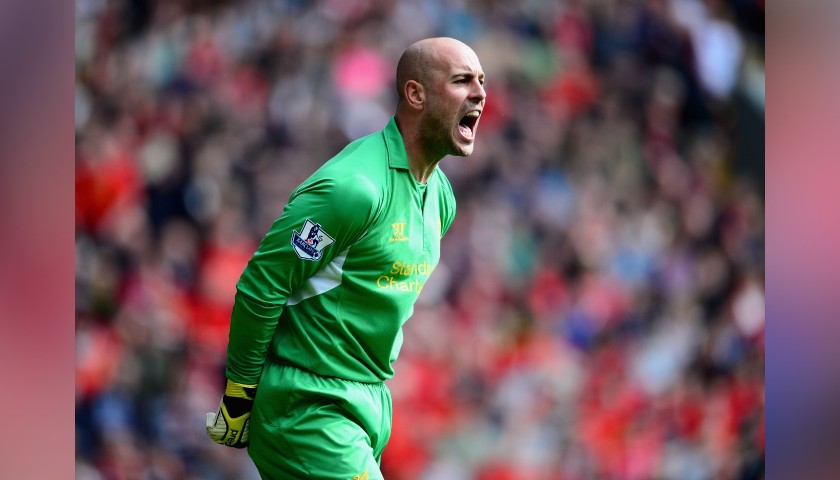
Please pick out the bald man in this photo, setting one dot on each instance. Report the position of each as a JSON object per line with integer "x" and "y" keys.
{"x": 318, "y": 314}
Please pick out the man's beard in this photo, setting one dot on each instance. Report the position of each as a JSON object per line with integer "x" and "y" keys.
{"x": 439, "y": 137}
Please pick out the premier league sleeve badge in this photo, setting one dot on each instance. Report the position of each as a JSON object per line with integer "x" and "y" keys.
{"x": 310, "y": 241}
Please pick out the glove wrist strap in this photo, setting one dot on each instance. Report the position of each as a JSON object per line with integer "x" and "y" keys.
{"x": 238, "y": 390}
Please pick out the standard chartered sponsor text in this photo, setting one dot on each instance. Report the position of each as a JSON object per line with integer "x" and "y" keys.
{"x": 397, "y": 278}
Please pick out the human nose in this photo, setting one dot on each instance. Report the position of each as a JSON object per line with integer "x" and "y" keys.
{"x": 478, "y": 94}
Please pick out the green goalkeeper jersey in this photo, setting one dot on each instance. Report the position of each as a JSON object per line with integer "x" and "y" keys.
{"x": 337, "y": 275}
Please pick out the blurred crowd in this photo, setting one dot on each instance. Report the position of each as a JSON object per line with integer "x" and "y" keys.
{"x": 598, "y": 312}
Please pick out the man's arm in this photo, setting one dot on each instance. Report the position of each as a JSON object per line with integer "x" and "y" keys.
{"x": 322, "y": 218}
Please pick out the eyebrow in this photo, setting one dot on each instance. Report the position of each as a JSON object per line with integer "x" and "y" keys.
{"x": 468, "y": 75}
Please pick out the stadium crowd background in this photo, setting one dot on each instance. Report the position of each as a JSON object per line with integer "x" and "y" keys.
{"x": 598, "y": 312}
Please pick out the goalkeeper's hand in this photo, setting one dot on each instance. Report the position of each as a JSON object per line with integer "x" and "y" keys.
{"x": 231, "y": 424}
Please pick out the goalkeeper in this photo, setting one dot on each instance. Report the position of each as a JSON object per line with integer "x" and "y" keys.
{"x": 318, "y": 314}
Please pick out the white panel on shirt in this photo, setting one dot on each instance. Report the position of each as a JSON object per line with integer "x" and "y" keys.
{"x": 325, "y": 280}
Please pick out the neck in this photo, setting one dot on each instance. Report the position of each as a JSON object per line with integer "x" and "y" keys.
{"x": 421, "y": 162}
{"x": 421, "y": 170}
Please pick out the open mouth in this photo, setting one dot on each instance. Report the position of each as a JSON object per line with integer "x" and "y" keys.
{"x": 467, "y": 124}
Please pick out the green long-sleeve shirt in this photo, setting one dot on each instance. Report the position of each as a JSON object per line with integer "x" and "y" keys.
{"x": 337, "y": 275}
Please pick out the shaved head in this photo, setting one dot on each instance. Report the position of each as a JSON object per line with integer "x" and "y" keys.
{"x": 422, "y": 58}
{"x": 441, "y": 89}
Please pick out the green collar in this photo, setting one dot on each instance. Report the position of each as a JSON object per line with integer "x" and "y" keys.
{"x": 397, "y": 157}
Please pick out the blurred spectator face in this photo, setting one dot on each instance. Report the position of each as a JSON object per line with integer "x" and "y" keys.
{"x": 455, "y": 100}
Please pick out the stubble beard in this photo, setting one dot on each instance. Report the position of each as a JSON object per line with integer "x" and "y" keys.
{"x": 439, "y": 135}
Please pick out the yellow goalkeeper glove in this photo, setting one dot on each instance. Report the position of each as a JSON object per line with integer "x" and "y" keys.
{"x": 231, "y": 424}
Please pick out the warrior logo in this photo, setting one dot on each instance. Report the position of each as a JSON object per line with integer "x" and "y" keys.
{"x": 310, "y": 241}
{"x": 399, "y": 232}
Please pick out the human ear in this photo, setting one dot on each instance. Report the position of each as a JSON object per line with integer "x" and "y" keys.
{"x": 415, "y": 94}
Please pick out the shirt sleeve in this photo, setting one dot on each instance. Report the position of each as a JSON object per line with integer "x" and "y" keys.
{"x": 324, "y": 217}
{"x": 448, "y": 205}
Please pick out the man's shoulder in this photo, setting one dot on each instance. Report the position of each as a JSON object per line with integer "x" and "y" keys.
{"x": 359, "y": 169}
{"x": 369, "y": 149}
{"x": 443, "y": 181}
{"x": 365, "y": 158}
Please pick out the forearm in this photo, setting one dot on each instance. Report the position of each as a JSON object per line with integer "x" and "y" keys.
{"x": 252, "y": 326}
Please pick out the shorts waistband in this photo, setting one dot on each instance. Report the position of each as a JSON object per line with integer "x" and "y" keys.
{"x": 272, "y": 357}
